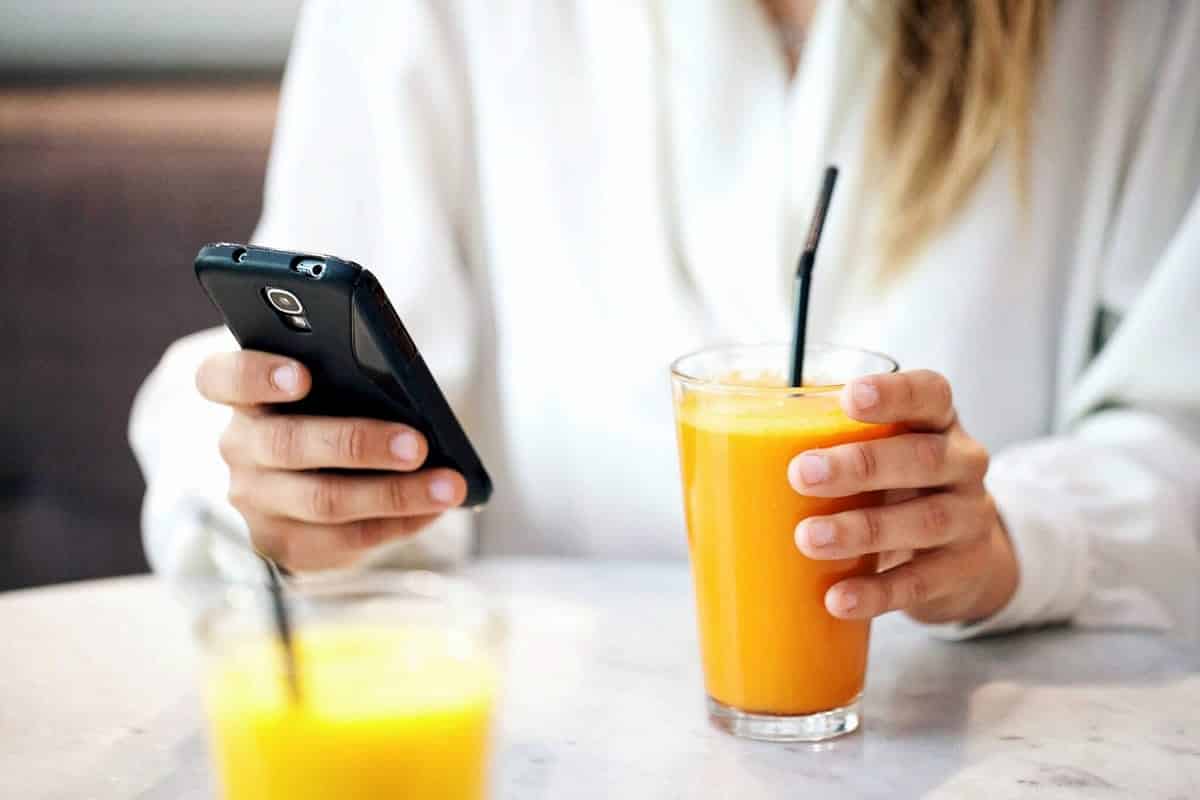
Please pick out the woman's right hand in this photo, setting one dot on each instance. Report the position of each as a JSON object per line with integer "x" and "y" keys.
{"x": 308, "y": 520}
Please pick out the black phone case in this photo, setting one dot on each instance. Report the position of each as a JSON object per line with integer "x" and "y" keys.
{"x": 363, "y": 362}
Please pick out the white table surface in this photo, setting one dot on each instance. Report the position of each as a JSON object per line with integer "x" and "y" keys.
{"x": 98, "y": 700}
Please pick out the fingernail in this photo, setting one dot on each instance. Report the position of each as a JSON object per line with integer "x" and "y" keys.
{"x": 441, "y": 490}
{"x": 286, "y": 378}
{"x": 819, "y": 532}
{"x": 814, "y": 468}
{"x": 842, "y": 601}
{"x": 864, "y": 394}
{"x": 405, "y": 446}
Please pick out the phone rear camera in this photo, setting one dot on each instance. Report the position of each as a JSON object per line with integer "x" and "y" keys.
{"x": 284, "y": 301}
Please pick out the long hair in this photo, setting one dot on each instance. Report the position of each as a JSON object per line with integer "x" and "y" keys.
{"x": 958, "y": 83}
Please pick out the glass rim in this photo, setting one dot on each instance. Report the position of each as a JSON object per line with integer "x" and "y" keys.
{"x": 231, "y": 598}
{"x": 335, "y": 583}
{"x": 710, "y": 384}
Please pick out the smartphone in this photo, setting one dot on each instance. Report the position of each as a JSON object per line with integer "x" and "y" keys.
{"x": 332, "y": 316}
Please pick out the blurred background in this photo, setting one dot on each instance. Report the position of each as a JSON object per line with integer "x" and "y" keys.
{"x": 131, "y": 133}
{"x": 128, "y": 137}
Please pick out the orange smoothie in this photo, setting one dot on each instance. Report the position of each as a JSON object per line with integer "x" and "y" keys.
{"x": 767, "y": 642}
{"x": 386, "y": 712}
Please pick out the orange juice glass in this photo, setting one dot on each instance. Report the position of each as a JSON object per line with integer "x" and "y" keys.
{"x": 777, "y": 665}
{"x": 398, "y": 677}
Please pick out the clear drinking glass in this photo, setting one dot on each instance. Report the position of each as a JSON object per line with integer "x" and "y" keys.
{"x": 777, "y": 665}
{"x": 398, "y": 676}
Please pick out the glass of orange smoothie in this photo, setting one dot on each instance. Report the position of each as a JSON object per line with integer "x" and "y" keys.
{"x": 777, "y": 665}
{"x": 398, "y": 676}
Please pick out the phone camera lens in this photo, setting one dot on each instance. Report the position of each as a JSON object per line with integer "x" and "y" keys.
{"x": 284, "y": 301}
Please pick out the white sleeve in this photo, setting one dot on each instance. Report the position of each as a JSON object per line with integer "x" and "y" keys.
{"x": 174, "y": 432}
{"x": 1104, "y": 523}
{"x": 370, "y": 162}
{"x": 1105, "y": 518}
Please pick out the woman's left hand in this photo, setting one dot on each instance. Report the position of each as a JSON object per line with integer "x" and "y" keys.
{"x": 944, "y": 554}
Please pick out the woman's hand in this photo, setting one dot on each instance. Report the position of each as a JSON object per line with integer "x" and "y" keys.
{"x": 944, "y": 555}
{"x": 309, "y": 520}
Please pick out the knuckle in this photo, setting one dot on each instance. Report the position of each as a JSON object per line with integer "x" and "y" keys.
{"x": 907, "y": 394}
{"x": 935, "y": 518}
{"x": 360, "y": 535}
{"x": 929, "y": 451}
{"x": 979, "y": 461}
{"x": 324, "y": 499}
{"x": 283, "y": 440}
{"x": 351, "y": 442}
{"x": 863, "y": 461}
{"x": 872, "y": 530}
{"x": 397, "y": 495}
{"x": 940, "y": 388}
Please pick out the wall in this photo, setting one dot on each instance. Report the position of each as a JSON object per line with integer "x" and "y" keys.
{"x": 135, "y": 34}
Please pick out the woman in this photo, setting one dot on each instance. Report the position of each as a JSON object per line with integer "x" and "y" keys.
{"x": 559, "y": 198}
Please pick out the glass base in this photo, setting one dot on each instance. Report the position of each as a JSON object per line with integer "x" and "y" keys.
{"x": 782, "y": 728}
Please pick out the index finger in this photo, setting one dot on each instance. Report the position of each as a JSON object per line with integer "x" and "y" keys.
{"x": 249, "y": 377}
{"x": 921, "y": 398}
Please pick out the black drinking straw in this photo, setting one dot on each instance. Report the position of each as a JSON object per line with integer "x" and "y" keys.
{"x": 279, "y": 608}
{"x": 804, "y": 270}
{"x": 283, "y": 626}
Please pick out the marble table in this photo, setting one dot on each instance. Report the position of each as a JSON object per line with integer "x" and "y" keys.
{"x": 98, "y": 701}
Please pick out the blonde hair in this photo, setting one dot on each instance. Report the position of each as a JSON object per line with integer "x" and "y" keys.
{"x": 958, "y": 83}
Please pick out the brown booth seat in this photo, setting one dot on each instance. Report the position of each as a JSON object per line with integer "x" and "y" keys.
{"x": 106, "y": 191}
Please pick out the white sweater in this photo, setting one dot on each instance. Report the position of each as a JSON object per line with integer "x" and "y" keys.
{"x": 559, "y": 197}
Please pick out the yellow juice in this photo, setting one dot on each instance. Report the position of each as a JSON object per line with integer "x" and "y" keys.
{"x": 387, "y": 712}
{"x": 767, "y": 642}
